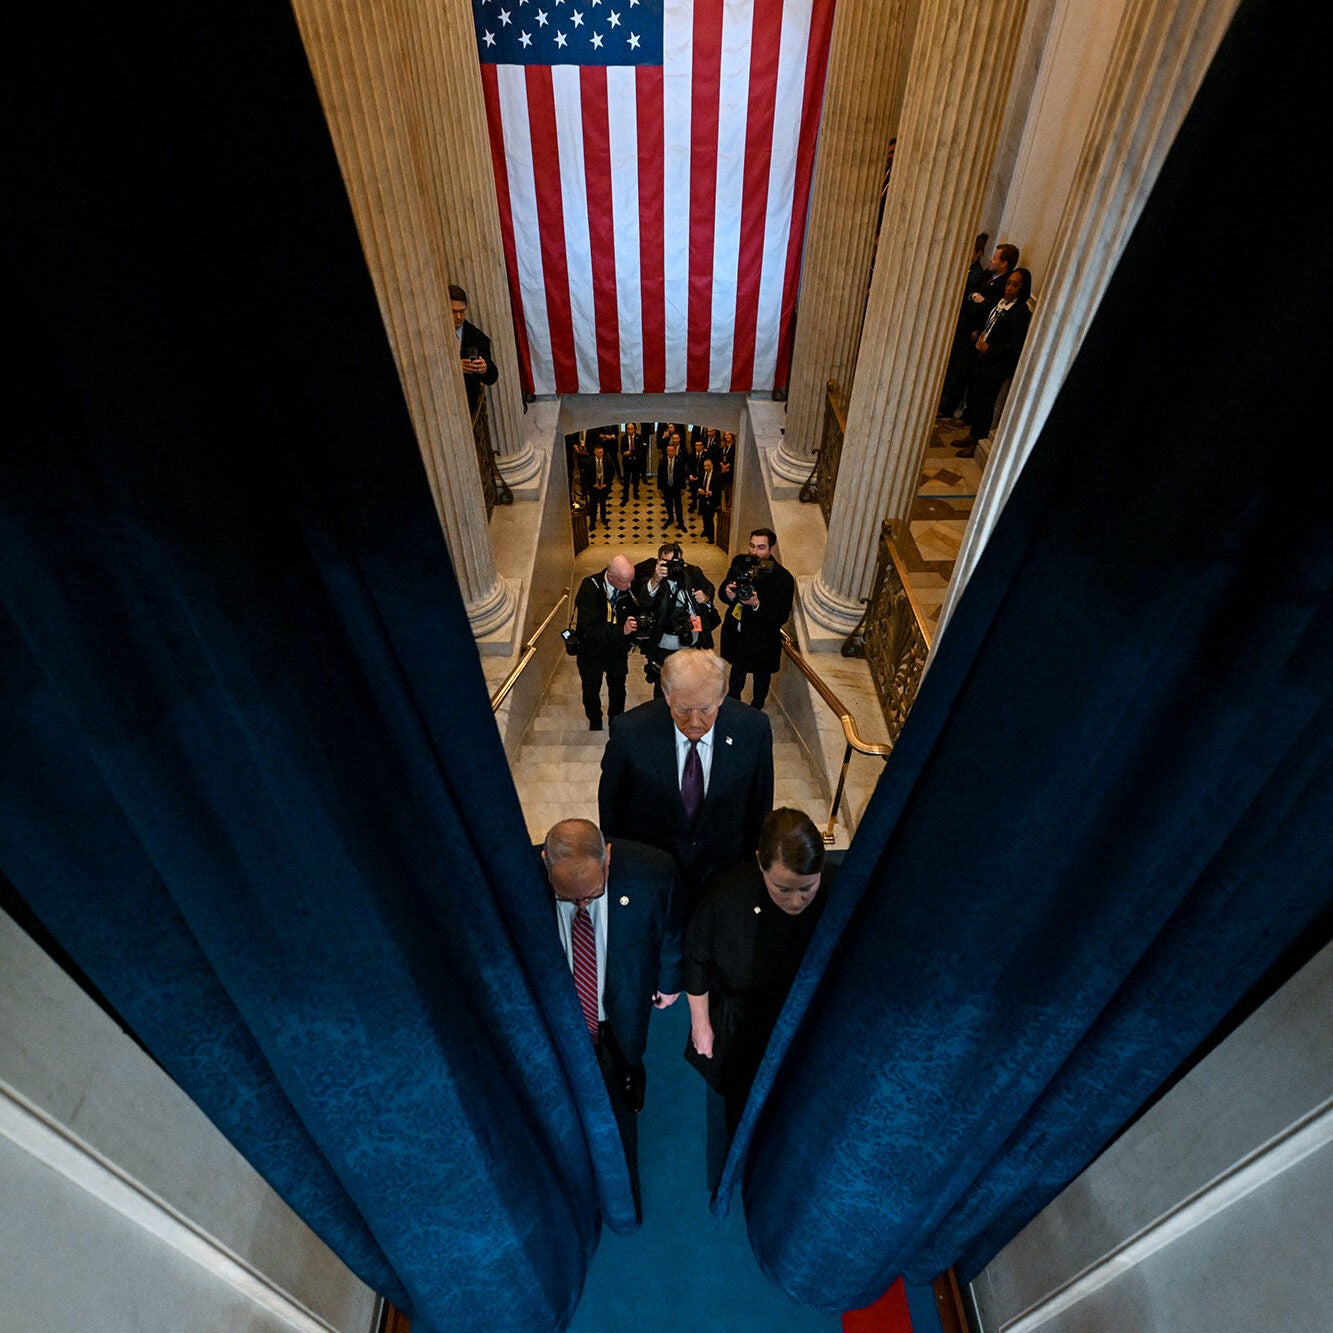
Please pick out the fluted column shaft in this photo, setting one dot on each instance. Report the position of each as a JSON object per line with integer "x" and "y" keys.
{"x": 441, "y": 45}
{"x": 962, "y": 63}
{"x": 862, "y": 96}
{"x": 366, "y": 71}
{"x": 1160, "y": 56}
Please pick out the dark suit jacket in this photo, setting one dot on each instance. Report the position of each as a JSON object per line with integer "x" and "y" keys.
{"x": 610, "y": 467}
{"x": 643, "y": 941}
{"x": 680, "y": 475}
{"x": 751, "y": 640}
{"x": 602, "y": 640}
{"x": 639, "y": 795}
{"x": 474, "y": 341}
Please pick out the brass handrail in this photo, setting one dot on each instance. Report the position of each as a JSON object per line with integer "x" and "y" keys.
{"x": 855, "y": 741}
{"x": 529, "y": 649}
{"x": 849, "y": 727}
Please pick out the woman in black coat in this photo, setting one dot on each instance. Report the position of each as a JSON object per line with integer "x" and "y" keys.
{"x": 743, "y": 947}
{"x": 996, "y": 356}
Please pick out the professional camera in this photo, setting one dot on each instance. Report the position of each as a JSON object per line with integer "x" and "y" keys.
{"x": 675, "y": 564}
{"x": 646, "y": 629}
{"x": 743, "y": 576}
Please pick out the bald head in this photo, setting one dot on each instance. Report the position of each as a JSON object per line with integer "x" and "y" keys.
{"x": 577, "y": 860}
{"x": 620, "y": 572}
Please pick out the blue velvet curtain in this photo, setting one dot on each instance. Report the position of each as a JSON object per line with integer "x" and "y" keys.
{"x": 1112, "y": 807}
{"x": 249, "y": 778}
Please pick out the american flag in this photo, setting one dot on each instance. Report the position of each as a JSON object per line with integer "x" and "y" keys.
{"x": 653, "y": 162}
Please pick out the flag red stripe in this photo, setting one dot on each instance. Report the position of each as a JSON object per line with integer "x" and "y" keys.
{"x": 652, "y": 234}
{"x": 601, "y": 225}
{"x": 816, "y": 63}
{"x": 705, "y": 88}
{"x": 551, "y": 225}
{"x": 765, "y": 43}
{"x": 490, "y": 90}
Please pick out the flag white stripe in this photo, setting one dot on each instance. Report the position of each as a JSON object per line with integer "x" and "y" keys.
{"x": 513, "y": 96}
{"x": 781, "y": 185}
{"x": 677, "y": 64}
{"x": 568, "y": 93}
{"x": 624, "y": 135}
{"x": 737, "y": 27}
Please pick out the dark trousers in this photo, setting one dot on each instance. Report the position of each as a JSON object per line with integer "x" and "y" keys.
{"x": 674, "y": 509}
{"x": 630, "y": 477}
{"x": 615, "y": 1070}
{"x": 597, "y": 500}
{"x": 707, "y": 508}
{"x": 591, "y": 672}
{"x": 736, "y": 683}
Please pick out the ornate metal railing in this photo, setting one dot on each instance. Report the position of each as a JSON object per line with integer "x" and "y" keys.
{"x": 494, "y": 488}
{"x": 823, "y": 479}
{"x": 529, "y": 652}
{"x": 893, "y": 636}
{"x": 851, "y": 734}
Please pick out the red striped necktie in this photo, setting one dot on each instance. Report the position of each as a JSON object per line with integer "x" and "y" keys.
{"x": 585, "y": 968}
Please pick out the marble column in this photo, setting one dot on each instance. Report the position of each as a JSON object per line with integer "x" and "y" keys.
{"x": 962, "y": 62}
{"x": 1159, "y": 60}
{"x": 443, "y": 45}
{"x": 862, "y": 98}
{"x": 365, "y": 61}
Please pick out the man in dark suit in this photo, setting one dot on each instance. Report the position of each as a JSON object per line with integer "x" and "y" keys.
{"x": 620, "y": 925}
{"x": 691, "y": 773}
{"x": 598, "y": 477}
{"x": 672, "y": 474}
{"x": 757, "y": 596}
{"x": 474, "y": 350}
{"x": 708, "y": 497}
{"x": 604, "y": 625}
{"x": 726, "y": 462}
{"x": 981, "y": 293}
{"x": 633, "y": 461}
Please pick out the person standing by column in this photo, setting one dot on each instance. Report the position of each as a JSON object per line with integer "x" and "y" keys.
{"x": 474, "y": 350}
{"x": 757, "y": 594}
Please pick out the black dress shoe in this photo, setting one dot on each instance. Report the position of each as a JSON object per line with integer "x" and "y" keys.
{"x": 595, "y": 726}
{"x": 636, "y": 1081}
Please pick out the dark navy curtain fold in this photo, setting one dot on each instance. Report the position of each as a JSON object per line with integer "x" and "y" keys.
{"x": 249, "y": 777}
{"x": 1112, "y": 807}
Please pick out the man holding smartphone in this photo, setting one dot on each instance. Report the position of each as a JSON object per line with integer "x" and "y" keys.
{"x": 474, "y": 350}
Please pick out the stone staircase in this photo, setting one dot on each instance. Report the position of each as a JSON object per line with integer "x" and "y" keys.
{"x": 559, "y": 761}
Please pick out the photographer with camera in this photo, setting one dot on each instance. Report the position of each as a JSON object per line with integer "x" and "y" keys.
{"x": 758, "y": 593}
{"x": 603, "y": 633}
{"x": 676, "y": 609}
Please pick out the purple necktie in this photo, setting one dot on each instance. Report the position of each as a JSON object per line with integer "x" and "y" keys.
{"x": 692, "y": 783}
{"x": 585, "y": 968}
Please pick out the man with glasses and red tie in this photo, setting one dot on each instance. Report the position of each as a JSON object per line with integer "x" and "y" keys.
{"x": 620, "y": 925}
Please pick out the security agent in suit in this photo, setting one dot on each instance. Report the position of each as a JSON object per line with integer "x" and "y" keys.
{"x": 636, "y": 924}
{"x": 474, "y": 350}
{"x": 646, "y": 765}
{"x": 757, "y": 596}
{"x": 604, "y": 625}
{"x": 600, "y": 471}
{"x": 673, "y": 472}
{"x": 633, "y": 458}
